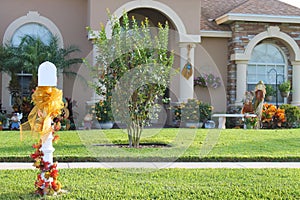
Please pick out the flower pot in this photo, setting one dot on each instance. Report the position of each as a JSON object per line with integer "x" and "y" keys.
{"x": 176, "y": 123}
{"x": 209, "y": 124}
{"x": 285, "y": 94}
{"x": 106, "y": 125}
{"x": 248, "y": 126}
{"x": 193, "y": 124}
{"x": 63, "y": 127}
{"x": 269, "y": 98}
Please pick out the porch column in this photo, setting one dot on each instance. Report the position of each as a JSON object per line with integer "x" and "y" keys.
{"x": 296, "y": 84}
{"x": 241, "y": 81}
{"x": 186, "y": 87}
{"x": 95, "y": 97}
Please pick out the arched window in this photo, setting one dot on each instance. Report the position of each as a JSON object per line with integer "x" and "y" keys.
{"x": 33, "y": 29}
{"x": 266, "y": 60}
{"x": 37, "y": 31}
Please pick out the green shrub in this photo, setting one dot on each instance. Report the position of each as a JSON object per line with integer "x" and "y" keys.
{"x": 193, "y": 110}
{"x": 292, "y": 114}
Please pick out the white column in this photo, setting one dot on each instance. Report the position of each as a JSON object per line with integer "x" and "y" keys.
{"x": 186, "y": 87}
{"x": 95, "y": 97}
{"x": 241, "y": 81}
{"x": 296, "y": 84}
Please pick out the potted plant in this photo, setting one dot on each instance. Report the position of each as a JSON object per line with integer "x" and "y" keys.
{"x": 177, "y": 115}
{"x": 65, "y": 124}
{"x": 270, "y": 92}
{"x": 3, "y": 120}
{"x": 190, "y": 113}
{"x": 285, "y": 88}
{"x": 205, "y": 111}
{"x": 250, "y": 122}
{"x": 104, "y": 114}
{"x": 194, "y": 113}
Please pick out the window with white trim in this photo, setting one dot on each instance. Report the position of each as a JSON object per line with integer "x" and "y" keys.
{"x": 37, "y": 31}
{"x": 266, "y": 60}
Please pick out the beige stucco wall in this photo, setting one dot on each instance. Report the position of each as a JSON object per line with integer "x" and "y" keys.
{"x": 72, "y": 16}
{"x": 188, "y": 11}
{"x": 211, "y": 57}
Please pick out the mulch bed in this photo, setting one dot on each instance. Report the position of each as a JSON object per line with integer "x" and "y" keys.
{"x": 142, "y": 145}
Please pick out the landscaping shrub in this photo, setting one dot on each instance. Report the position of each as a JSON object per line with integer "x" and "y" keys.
{"x": 272, "y": 117}
{"x": 194, "y": 110}
{"x": 292, "y": 114}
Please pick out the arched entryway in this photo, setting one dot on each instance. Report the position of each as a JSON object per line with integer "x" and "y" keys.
{"x": 184, "y": 44}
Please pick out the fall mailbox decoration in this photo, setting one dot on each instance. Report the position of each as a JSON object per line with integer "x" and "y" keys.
{"x": 47, "y": 100}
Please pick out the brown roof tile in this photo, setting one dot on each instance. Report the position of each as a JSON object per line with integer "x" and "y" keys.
{"x": 266, "y": 7}
{"x": 212, "y": 9}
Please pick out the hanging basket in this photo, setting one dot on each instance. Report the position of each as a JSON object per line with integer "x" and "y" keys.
{"x": 269, "y": 98}
{"x": 285, "y": 94}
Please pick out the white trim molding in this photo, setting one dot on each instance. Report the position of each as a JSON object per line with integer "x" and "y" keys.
{"x": 163, "y": 8}
{"x": 216, "y": 34}
{"x": 171, "y": 14}
{"x": 148, "y": 4}
{"x": 230, "y": 17}
{"x": 32, "y": 17}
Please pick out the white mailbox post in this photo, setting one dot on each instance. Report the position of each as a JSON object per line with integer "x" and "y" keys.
{"x": 47, "y": 77}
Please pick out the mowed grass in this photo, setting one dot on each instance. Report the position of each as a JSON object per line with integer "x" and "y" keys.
{"x": 183, "y": 145}
{"x": 160, "y": 184}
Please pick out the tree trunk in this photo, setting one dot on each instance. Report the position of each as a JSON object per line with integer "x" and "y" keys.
{"x": 129, "y": 132}
{"x": 134, "y": 134}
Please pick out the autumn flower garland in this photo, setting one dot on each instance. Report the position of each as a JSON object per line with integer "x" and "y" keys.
{"x": 48, "y": 104}
{"x": 46, "y": 183}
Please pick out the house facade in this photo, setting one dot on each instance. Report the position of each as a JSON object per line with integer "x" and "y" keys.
{"x": 240, "y": 43}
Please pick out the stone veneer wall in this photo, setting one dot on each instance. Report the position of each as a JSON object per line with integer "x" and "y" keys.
{"x": 242, "y": 33}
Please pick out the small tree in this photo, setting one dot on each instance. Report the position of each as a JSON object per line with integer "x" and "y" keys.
{"x": 134, "y": 68}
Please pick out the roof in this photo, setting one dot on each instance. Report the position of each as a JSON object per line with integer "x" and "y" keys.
{"x": 213, "y": 9}
{"x": 267, "y": 7}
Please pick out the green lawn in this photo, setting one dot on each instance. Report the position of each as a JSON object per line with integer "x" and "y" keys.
{"x": 160, "y": 184}
{"x": 185, "y": 145}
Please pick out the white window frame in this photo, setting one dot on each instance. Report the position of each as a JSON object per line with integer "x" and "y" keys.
{"x": 280, "y": 76}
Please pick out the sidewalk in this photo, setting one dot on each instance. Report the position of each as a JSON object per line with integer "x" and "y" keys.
{"x": 159, "y": 165}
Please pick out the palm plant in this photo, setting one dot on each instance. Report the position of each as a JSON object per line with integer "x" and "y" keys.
{"x": 31, "y": 52}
